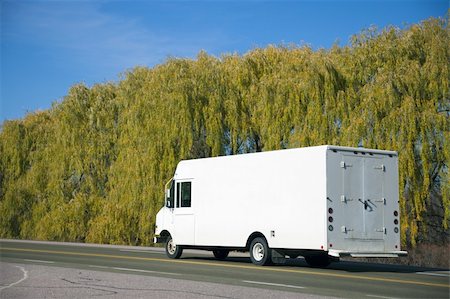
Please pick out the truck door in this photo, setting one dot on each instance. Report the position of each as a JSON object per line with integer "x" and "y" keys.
{"x": 373, "y": 200}
{"x": 362, "y": 197}
{"x": 183, "y": 214}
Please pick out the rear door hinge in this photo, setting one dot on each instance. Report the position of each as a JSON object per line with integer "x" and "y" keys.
{"x": 345, "y": 165}
{"x": 383, "y": 200}
{"x": 345, "y": 199}
{"x": 381, "y": 167}
{"x": 345, "y": 229}
{"x": 381, "y": 230}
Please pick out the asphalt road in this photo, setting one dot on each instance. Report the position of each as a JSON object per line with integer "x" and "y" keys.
{"x": 24, "y": 264}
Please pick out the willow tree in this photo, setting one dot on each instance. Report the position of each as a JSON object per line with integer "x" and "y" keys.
{"x": 93, "y": 167}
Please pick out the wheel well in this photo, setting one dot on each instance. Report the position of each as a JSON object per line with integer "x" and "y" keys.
{"x": 253, "y": 236}
{"x": 164, "y": 235}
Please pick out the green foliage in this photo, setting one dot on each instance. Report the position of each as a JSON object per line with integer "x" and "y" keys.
{"x": 93, "y": 167}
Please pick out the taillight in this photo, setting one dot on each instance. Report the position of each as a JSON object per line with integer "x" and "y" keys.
{"x": 330, "y": 219}
{"x": 396, "y": 221}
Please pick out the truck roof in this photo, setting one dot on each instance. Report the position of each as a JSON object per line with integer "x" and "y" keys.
{"x": 320, "y": 148}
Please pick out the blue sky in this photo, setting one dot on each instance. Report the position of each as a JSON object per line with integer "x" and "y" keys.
{"x": 47, "y": 46}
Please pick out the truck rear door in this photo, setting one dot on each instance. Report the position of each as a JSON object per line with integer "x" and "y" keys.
{"x": 362, "y": 196}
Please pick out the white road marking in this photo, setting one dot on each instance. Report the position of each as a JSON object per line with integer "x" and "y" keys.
{"x": 40, "y": 261}
{"x": 95, "y": 266}
{"x": 384, "y": 297}
{"x": 434, "y": 274}
{"x": 274, "y": 284}
{"x": 144, "y": 271}
{"x": 140, "y": 250}
{"x": 25, "y": 276}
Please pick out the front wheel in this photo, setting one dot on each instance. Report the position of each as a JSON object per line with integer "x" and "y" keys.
{"x": 260, "y": 253}
{"x": 221, "y": 254}
{"x": 172, "y": 250}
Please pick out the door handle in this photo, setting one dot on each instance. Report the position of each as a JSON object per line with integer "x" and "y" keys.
{"x": 363, "y": 202}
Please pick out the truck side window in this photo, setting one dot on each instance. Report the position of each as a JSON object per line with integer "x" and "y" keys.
{"x": 183, "y": 198}
{"x": 185, "y": 194}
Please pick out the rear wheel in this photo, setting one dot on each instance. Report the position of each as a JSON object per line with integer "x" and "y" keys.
{"x": 260, "y": 253}
{"x": 318, "y": 261}
{"x": 172, "y": 250}
{"x": 221, "y": 254}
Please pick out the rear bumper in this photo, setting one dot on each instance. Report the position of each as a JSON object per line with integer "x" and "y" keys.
{"x": 343, "y": 253}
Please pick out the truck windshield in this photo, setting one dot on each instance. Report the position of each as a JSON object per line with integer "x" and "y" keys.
{"x": 170, "y": 201}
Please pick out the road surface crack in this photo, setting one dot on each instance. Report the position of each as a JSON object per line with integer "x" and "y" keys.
{"x": 101, "y": 287}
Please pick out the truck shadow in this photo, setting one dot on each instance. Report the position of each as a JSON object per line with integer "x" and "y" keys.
{"x": 347, "y": 266}
{"x": 359, "y": 267}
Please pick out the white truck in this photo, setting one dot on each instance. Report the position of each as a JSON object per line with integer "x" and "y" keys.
{"x": 320, "y": 202}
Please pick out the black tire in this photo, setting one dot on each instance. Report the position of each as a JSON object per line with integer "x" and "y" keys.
{"x": 260, "y": 253}
{"x": 318, "y": 261}
{"x": 221, "y": 254}
{"x": 173, "y": 251}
